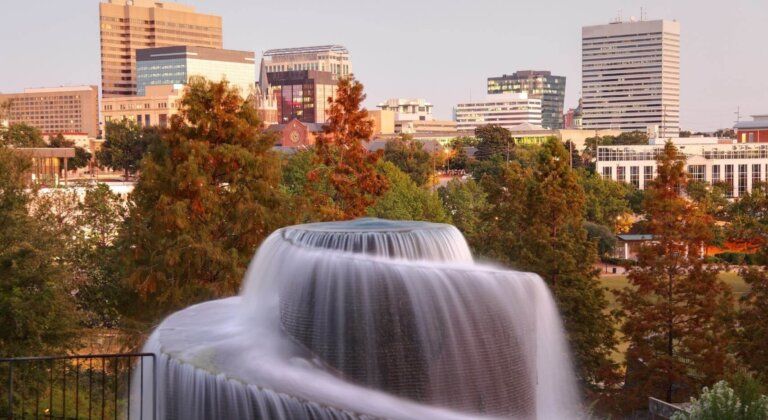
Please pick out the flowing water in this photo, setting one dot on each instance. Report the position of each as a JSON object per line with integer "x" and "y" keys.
{"x": 368, "y": 319}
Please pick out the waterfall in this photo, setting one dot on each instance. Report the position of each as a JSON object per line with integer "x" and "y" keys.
{"x": 368, "y": 319}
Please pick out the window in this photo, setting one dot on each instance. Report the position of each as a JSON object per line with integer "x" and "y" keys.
{"x": 716, "y": 174}
{"x": 756, "y": 174}
{"x": 729, "y": 180}
{"x": 620, "y": 175}
{"x": 742, "y": 179}
{"x": 697, "y": 173}
{"x": 647, "y": 174}
{"x": 634, "y": 176}
{"x": 607, "y": 172}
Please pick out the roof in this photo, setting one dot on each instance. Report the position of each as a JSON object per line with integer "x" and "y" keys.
{"x": 751, "y": 124}
{"x": 312, "y": 127}
{"x": 635, "y": 237}
{"x": 526, "y": 126}
{"x": 300, "y": 50}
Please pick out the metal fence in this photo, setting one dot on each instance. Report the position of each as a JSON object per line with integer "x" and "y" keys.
{"x": 96, "y": 386}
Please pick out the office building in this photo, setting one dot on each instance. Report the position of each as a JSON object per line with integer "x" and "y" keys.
{"x": 65, "y": 110}
{"x": 631, "y": 76}
{"x": 326, "y": 58}
{"x": 383, "y": 122}
{"x": 506, "y": 109}
{"x": 175, "y": 65}
{"x": 755, "y": 131}
{"x": 155, "y": 108}
{"x": 302, "y": 94}
{"x": 538, "y": 85}
{"x": 739, "y": 166}
{"x": 422, "y": 127}
{"x": 407, "y": 109}
{"x": 129, "y": 25}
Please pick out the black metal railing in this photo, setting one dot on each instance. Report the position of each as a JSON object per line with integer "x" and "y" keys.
{"x": 95, "y": 386}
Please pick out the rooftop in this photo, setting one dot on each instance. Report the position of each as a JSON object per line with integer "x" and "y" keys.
{"x": 301, "y": 50}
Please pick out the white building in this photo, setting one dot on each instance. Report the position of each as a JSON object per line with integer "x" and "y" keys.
{"x": 507, "y": 110}
{"x": 330, "y": 58}
{"x": 711, "y": 160}
{"x": 407, "y": 109}
{"x": 631, "y": 76}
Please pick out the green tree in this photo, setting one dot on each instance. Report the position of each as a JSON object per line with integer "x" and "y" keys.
{"x": 465, "y": 202}
{"x": 207, "y": 195}
{"x": 534, "y": 221}
{"x": 82, "y": 156}
{"x": 21, "y": 135}
{"x": 343, "y": 162}
{"x": 494, "y": 141}
{"x": 752, "y": 331}
{"x": 605, "y": 200}
{"x": 675, "y": 314}
{"x": 405, "y": 200}
{"x": 410, "y": 157}
{"x": 742, "y": 402}
{"x": 603, "y": 236}
{"x": 37, "y": 313}
{"x": 125, "y": 145}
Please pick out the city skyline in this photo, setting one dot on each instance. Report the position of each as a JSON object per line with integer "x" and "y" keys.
{"x": 422, "y": 55}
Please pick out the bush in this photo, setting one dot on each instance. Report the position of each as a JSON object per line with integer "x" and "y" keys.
{"x": 725, "y": 403}
{"x": 739, "y": 258}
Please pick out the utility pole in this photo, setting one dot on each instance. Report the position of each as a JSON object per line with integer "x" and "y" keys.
{"x": 738, "y": 114}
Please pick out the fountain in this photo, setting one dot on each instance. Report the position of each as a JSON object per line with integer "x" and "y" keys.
{"x": 368, "y": 319}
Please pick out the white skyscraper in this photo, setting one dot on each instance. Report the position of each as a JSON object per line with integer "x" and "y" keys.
{"x": 631, "y": 76}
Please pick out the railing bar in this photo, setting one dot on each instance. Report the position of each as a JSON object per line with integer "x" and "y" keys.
{"x": 128, "y": 406}
{"x": 90, "y": 386}
{"x": 50, "y": 393}
{"x": 10, "y": 389}
{"x": 64, "y": 391}
{"x": 141, "y": 392}
{"x": 79, "y": 356}
{"x": 77, "y": 389}
{"x": 103, "y": 385}
{"x": 21, "y": 395}
{"x": 114, "y": 381}
{"x": 37, "y": 396}
{"x": 154, "y": 386}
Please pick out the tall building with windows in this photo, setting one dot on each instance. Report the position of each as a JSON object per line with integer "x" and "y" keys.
{"x": 538, "y": 85}
{"x": 129, "y": 25}
{"x": 65, "y": 110}
{"x": 331, "y": 58}
{"x": 175, "y": 65}
{"x": 507, "y": 110}
{"x": 154, "y": 108}
{"x": 631, "y": 76}
{"x": 407, "y": 109}
{"x": 302, "y": 94}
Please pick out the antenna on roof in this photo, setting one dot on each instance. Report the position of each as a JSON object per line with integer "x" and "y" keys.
{"x": 642, "y": 13}
{"x": 738, "y": 114}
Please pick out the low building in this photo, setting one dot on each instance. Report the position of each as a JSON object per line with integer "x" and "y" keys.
{"x": 408, "y": 109}
{"x": 176, "y": 64}
{"x": 424, "y": 127}
{"x": 155, "y": 108}
{"x": 738, "y": 166}
{"x": 296, "y": 134}
{"x": 49, "y": 164}
{"x": 383, "y": 122}
{"x": 628, "y": 245}
{"x": 506, "y": 110}
{"x": 65, "y": 110}
{"x": 755, "y": 131}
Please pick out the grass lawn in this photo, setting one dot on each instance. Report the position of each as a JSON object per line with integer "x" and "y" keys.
{"x": 617, "y": 282}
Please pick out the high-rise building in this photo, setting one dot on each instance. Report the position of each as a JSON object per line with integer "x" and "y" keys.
{"x": 330, "y": 58}
{"x": 302, "y": 94}
{"x": 407, "y": 109}
{"x": 129, "y": 25}
{"x": 505, "y": 109}
{"x": 631, "y": 76}
{"x": 65, "y": 110}
{"x": 175, "y": 65}
{"x": 538, "y": 85}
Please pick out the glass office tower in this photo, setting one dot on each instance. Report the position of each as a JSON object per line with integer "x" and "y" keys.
{"x": 538, "y": 85}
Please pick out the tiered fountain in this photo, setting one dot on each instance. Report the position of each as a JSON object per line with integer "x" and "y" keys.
{"x": 368, "y": 319}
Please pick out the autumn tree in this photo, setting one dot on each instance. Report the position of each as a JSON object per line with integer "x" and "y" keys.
{"x": 494, "y": 141}
{"x": 752, "y": 331}
{"x": 207, "y": 195}
{"x": 675, "y": 311}
{"x": 343, "y": 161}
{"x": 534, "y": 221}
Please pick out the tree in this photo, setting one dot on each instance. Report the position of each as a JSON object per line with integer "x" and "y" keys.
{"x": 350, "y": 170}
{"x": 82, "y": 156}
{"x": 742, "y": 402}
{"x": 534, "y": 221}
{"x": 752, "y": 332}
{"x": 675, "y": 314}
{"x": 21, "y": 135}
{"x": 37, "y": 312}
{"x": 125, "y": 146}
{"x": 410, "y": 157}
{"x": 405, "y": 200}
{"x": 606, "y": 200}
{"x": 464, "y": 201}
{"x": 207, "y": 195}
{"x": 494, "y": 141}
{"x": 603, "y": 236}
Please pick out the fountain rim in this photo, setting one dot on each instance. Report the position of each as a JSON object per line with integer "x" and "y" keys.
{"x": 368, "y": 225}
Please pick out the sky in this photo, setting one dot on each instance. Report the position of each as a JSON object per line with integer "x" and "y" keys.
{"x": 440, "y": 50}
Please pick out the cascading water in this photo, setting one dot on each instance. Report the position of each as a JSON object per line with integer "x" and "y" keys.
{"x": 368, "y": 319}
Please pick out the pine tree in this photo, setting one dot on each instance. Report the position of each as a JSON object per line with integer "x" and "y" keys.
{"x": 675, "y": 310}
{"x": 752, "y": 332}
{"x": 534, "y": 222}
{"x": 207, "y": 195}
{"x": 348, "y": 167}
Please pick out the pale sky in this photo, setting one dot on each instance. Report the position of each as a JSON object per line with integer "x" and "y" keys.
{"x": 439, "y": 50}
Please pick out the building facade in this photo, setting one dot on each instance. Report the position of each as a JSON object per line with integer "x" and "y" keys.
{"x": 631, "y": 76}
{"x": 302, "y": 94}
{"x": 155, "y": 108}
{"x": 65, "y": 110}
{"x": 129, "y": 25}
{"x": 507, "y": 110}
{"x": 407, "y": 109}
{"x": 737, "y": 166}
{"x": 538, "y": 85}
{"x": 755, "y": 131}
{"x": 175, "y": 65}
{"x": 327, "y": 58}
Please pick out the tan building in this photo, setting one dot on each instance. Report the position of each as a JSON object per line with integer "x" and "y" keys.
{"x": 66, "y": 110}
{"x": 153, "y": 109}
{"x": 128, "y": 25}
{"x": 383, "y": 122}
{"x": 421, "y": 127}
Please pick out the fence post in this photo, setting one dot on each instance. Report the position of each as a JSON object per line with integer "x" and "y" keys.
{"x": 10, "y": 390}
